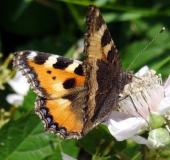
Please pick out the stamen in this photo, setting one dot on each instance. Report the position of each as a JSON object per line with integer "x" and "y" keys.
{"x": 142, "y": 95}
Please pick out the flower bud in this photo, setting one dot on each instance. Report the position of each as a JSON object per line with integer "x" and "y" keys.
{"x": 158, "y": 138}
{"x": 155, "y": 120}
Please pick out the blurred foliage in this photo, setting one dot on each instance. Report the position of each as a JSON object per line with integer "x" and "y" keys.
{"x": 57, "y": 26}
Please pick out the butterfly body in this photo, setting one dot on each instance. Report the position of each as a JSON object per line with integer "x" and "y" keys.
{"x": 74, "y": 96}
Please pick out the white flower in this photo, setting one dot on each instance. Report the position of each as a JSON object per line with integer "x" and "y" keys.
{"x": 123, "y": 126}
{"x": 145, "y": 95}
{"x": 167, "y": 87}
{"x": 20, "y": 86}
{"x": 142, "y": 71}
{"x": 14, "y": 99}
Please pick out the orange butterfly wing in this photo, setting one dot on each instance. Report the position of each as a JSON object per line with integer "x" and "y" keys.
{"x": 50, "y": 76}
{"x": 58, "y": 82}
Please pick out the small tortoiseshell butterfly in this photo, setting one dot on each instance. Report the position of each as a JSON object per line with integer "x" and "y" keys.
{"x": 73, "y": 96}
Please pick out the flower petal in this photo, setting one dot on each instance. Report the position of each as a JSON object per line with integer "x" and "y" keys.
{"x": 14, "y": 99}
{"x": 164, "y": 105}
{"x": 167, "y": 87}
{"x": 123, "y": 126}
{"x": 139, "y": 139}
{"x": 142, "y": 71}
{"x": 19, "y": 84}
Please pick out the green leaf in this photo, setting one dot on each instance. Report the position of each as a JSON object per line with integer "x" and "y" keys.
{"x": 24, "y": 139}
{"x": 29, "y": 100}
{"x": 28, "y": 105}
{"x": 68, "y": 147}
{"x": 97, "y": 140}
{"x": 101, "y": 143}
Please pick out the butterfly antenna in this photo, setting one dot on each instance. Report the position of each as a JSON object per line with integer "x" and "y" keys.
{"x": 146, "y": 46}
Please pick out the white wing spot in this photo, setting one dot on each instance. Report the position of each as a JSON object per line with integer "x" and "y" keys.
{"x": 32, "y": 54}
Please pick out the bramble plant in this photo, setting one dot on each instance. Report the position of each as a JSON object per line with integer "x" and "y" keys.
{"x": 59, "y": 27}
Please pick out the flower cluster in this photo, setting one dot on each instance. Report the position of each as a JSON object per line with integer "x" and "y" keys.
{"x": 143, "y": 106}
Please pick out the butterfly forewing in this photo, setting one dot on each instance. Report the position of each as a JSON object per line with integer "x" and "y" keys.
{"x": 103, "y": 69}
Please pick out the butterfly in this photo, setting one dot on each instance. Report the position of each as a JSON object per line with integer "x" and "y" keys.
{"x": 73, "y": 96}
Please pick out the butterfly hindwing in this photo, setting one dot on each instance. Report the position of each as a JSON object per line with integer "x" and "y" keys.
{"x": 63, "y": 116}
